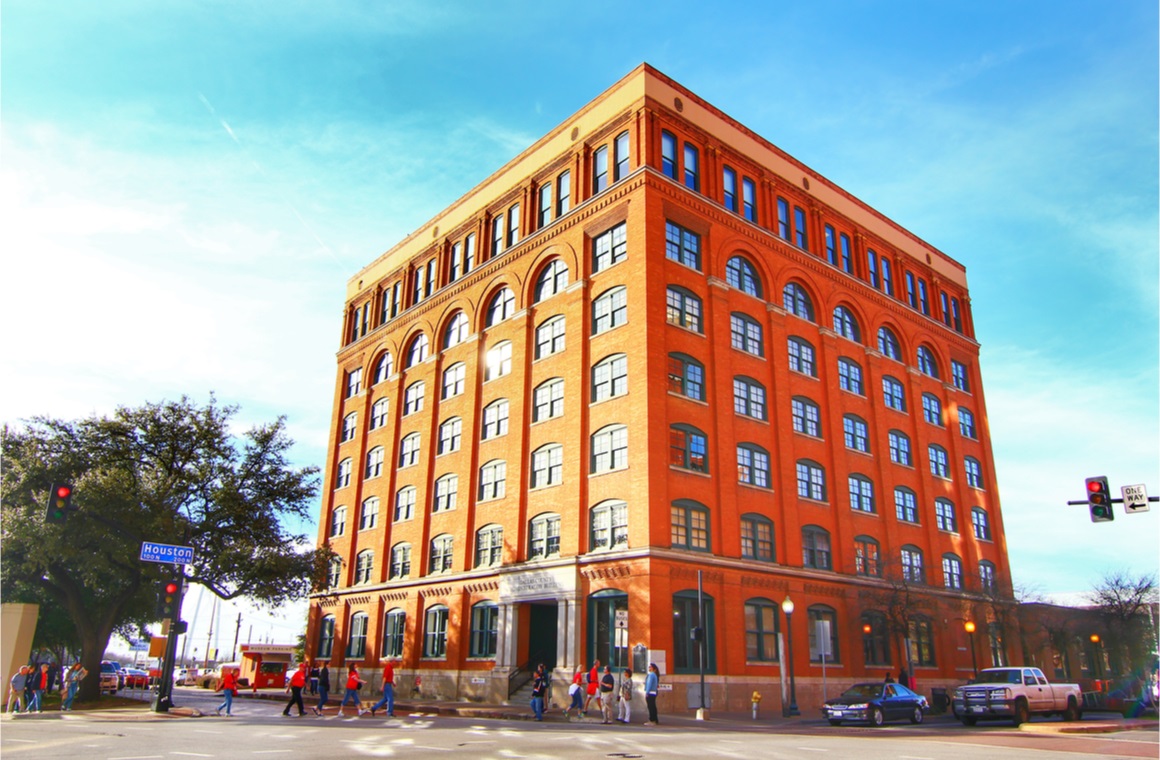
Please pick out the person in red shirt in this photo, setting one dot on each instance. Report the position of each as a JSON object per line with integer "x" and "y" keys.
{"x": 353, "y": 684}
{"x": 297, "y": 681}
{"x": 228, "y": 686}
{"x": 593, "y": 686}
{"x": 388, "y": 690}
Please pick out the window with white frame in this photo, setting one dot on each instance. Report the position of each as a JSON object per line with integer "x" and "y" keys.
{"x": 413, "y": 398}
{"x": 609, "y": 449}
{"x": 364, "y": 566}
{"x": 752, "y": 465}
{"x": 379, "y": 413}
{"x": 899, "y": 448}
{"x": 349, "y": 427}
{"x": 409, "y": 450}
{"x": 801, "y": 356}
{"x": 405, "y": 503}
{"x": 495, "y": 419}
{"x": 369, "y": 515}
{"x": 442, "y": 553}
{"x": 400, "y": 560}
{"x": 453, "y": 380}
{"x": 905, "y": 505}
{"x": 544, "y": 536}
{"x": 944, "y": 515}
{"x": 861, "y": 494}
{"x": 550, "y": 337}
{"x": 502, "y": 306}
{"x": 338, "y": 521}
{"x": 548, "y": 400}
{"x": 552, "y": 280}
{"x": 746, "y": 334}
{"x": 610, "y": 309}
{"x": 609, "y": 520}
{"x": 374, "y": 466}
{"x": 383, "y": 368}
{"x": 498, "y": 361}
{"x": 547, "y": 466}
{"x": 419, "y": 350}
{"x": 450, "y": 435}
{"x": 492, "y": 480}
{"x": 446, "y": 493}
{"x": 850, "y": 376}
{"x": 749, "y": 398}
{"x": 354, "y": 382}
{"x": 457, "y": 330}
{"x": 489, "y": 546}
{"x": 806, "y": 416}
{"x": 342, "y": 474}
{"x": 609, "y": 248}
{"x": 973, "y": 471}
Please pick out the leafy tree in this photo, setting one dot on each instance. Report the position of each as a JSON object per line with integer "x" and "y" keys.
{"x": 1123, "y": 600}
{"x": 169, "y": 472}
{"x": 903, "y": 598}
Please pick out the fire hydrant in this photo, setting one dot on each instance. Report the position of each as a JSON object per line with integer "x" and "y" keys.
{"x": 756, "y": 699}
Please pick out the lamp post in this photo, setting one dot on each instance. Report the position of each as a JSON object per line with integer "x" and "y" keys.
{"x": 1095, "y": 639}
{"x": 970, "y": 628}
{"x": 792, "y": 710}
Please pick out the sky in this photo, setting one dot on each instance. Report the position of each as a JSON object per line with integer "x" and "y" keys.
{"x": 185, "y": 188}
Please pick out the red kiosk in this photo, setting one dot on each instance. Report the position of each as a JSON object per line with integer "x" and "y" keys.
{"x": 265, "y": 665}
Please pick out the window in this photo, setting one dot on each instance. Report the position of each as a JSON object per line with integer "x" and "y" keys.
{"x": 600, "y": 169}
{"x": 469, "y": 253}
{"x": 356, "y": 647}
{"x": 816, "y": 548}
{"x": 547, "y": 466}
{"x": 892, "y": 393}
{"x": 413, "y": 398}
{"x": 325, "y": 638}
{"x": 926, "y": 363}
{"x": 369, "y": 514}
{"x": 550, "y": 337}
{"x": 552, "y": 280}
{"x": 419, "y": 350}
{"x": 354, "y": 382}
{"x": 435, "y": 632}
{"x": 888, "y": 344}
{"x": 610, "y": 377}
{"x": 944, "y": 516}
{"x": 338, "y": 521}
{"x": 974, "y": 472}
{"x": 442, "y": 552}
{"x": 746, "y": 334}
{"x": 548, "y": 400}
{"x": 811, "y": 480}
{"x": 846, "y": 325}
{"x": 844, "y": 260}
{"x": 850, "y": 376}
{"x": 741, "y": 275}
{"x": 938, "y": 461}
{"x": 374, "y": 462}
{"x": 384, "y": 367}
{"x": 911, "y": 295}
{"x": 783, "y": 228}
{"x": 761, "y": 617}
{"x": 854, "y": 429}
{"x": 609, "y": 248}
{"x": 692, "y": 171}
{"x": 688, "y": 448}
{"x": 453, "y": 380}
{"x": 401, "y": 560}
{"x": 912, "y": 569}
{"x": 609, "y": 310}
{"x": 822, "y": 614}
{"x": 805, "y": 416}
{"x": 923, "y": 297}
{"x": 946, "y": 307}
{"x": 899, "y": 448}
{"x": 484, "y": 629}
{"x": 987, "y": 577}
{"x": 752, "y": 465}
{"x": 333, "y": 572}
{"x": 497, "y": 234}
{"x": 999, "y": 654}
{"x": 450, "y": 435}
{"x": 609, "y": 522}
{"x": 342, "y": 477}
{"x": 563, "y": 192}
{"x": 457, "y": 330}
{"x": 729, "y": 183}
{"x": 799, "y": 228}
{"x": 446, "y": 493}
{"x": 394, "y": 626}
{"x": 797, "y": 302}
{"x": 866, "y": 557}
{"x": 669, "y": 154}
{"x": 749, "y": 199}
{"x": 502, "y": 306}
{"x": 379, "y": 413}
{"x": 405, "y": 503}
{"x": 495, "y": 419}
{"x": 364, "y": 566}
{"x": 409, "y": 450}
{"x": 609, "y": 449}
{"x": 861, "y": 494}
{"x": 349, "y": 427}
{"x": 875, "y": 639}
{"x": 887, "y": 277}
{"x": 956, "y": 315}
{"x": 801, "y": 357}
{"x": 905, "y": 505}
{"x": 967, "y": 424}
{"x": 872, "y": 267}
{"x": 687, "y": 653}
{"x": 690, "y": 525}
{"x": 686, "y": 377}
{"x": 952, "y": 571}
{"x": 921, "y": 642}
{"x": 544, "y": 536}
{"x": 545, "y": 213}
{"x": 959, "y": 376}
{"x": 682, "y": 246}
{"x": 980, "y": 524}
{"x": 489, "y": 546}
{"x": 620, "y": 148}
{"x": 498, "y": 361}
{"x": 831, "y": 250}
{"x": 492, "y": 478}
{"x": 684, "y": 309}
{"x": 749, "y": 398}
{"x": 757, "y": 537}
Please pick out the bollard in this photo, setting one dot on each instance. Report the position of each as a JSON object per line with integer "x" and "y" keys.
{"x": 756, "y": 699}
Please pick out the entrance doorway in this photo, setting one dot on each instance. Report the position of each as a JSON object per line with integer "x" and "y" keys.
{"x": 542, "y": 622}
{"x": 608, "y": 639}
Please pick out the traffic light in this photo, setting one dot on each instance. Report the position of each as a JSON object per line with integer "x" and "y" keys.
{"x": 169, "y": 594}
{"x": 1099, "y": 500}
{"x": 59, "y": 503}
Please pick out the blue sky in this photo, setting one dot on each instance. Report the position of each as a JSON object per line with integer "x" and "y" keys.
{"x": 185, "y": 188}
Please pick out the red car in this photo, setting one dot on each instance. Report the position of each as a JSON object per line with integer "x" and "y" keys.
{"x": 135, "y": 678}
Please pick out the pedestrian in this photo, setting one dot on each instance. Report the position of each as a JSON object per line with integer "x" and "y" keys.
{"x": 323, "y": 688}
{"x": 294, "y": 688}
{"x": 889, "y": 678}
{"x": 593, "y": 685}
{"x": 652, "y": 684}
{"x": 313, "y": 679}
{"x": 539, "y": 687}
{"x": 576, "y": 692}
{"x": 72, "y": 683}
{"x": 16, "y": 690}
{"x": 42, "y": 682}
{"x": 228, "y": 686}
{"x": 353, "y": 684}
{"x": 904, "y": 678}
{"x": 607, "y": 694}
{"x": 388, "y": 690}
{"x": 31, "y": 679}
{"x": 624, "y": 704}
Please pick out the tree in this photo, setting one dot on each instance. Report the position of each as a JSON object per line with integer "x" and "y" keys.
{"x": 169, "y": 472}
{"x": 1123, "y": 601}
{"x": 903, "y": 598}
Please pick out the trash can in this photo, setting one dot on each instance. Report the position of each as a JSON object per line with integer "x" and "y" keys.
{"x": 939, "y": 702}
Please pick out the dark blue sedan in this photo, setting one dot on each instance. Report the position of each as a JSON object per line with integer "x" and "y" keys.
{"x": 876, "y": 703}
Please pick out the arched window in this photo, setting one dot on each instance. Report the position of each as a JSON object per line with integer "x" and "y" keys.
{"x": 450, "y": 435}
{"x": 757, "y": 537}
{"x": 547, "y": 466}
{"x": 610, "y": 377}
{"x": 752, "y": 465}
{"x": 690, "y": 525}
{"x": 498, "y": 361}
{"x": 893, "y": 394}
{"x": 686, "y": 651}
{"x": 609, "y": 449}
{"x": 856, "y": 433}
{"x": 405, "y": 503}
{"x": 413, "y": 397}
{"x": 866, "y": 557}
{"x": 400, "y": 560}
{"x": 342, "y": 476}
{"x": 550, "y": 337}
{"x": 349, "y": 427}
{"x": 761, "y": 618}
{"x": 967, "y": 424}
{"x": 806, "y": 416}
{"x": 489, "y": 546}
{"x": 364, "y": 566}
{"x": 801, "y": 356}
{"x": 356, "y": 647}
{"x": 435, "y": 632}
{"x": 383, "y": 367}
{"x": 811, "y": 480}
{"x": 333, "y": 572}
{"x": 846, "y": 325}
{"x": 369, "y": 514}
{"x": 325, "y": 638}
{"x": 748, "y": 397}
{"x": 446, "y": 493}
{"x": 888, "y": 344}
{"x": 552, "y": 280}
{"x": 442, "y": 553}
{"x": 454, "y": 380}
{"x": 495, "y": 419}
{"x": 683, "y": 308}
{"x": 850, "y": 376}
{"x": 379, "y": 412}
{"x": 938, "y": 461}
{"x": 944, "y": 515}
{"x": 394, "y": 627}
{"x": 921, "y": 641}
{"x": 912, "y": 565}
{"x": 952, "y": 571}
{"x": 686, "y": 377}
{"x": 493, "y": 480}
{"x": 338, "y": 521}
{"x": 875, "y": 639}
{"x": 987, "y": 577}
{"x": 609, "y": 248}
{"x": 548, "y": 400}
{"x": 682, "y": 245}
{"x": 457, "y": 330}
{"x": 620, "y": 157}
{"x": 862, "y": 494}
{"x": 418, "y": 351}
{"x": 820, "y": 613}
{"x": 374, "y": 462}
{"x": 544, "y": 536}
{"x": 409, "y": 450}
{"x": 974, "y": 472}
{"x": 740, "y": 274}
{"x": 484, "y": 629}
{"x": 899, "y": 447}
{"x": 796, "y": 301}
{"x": 610, "y": 309}
{"x": 905, "y": 505}
{"x": 932, "y": 409}
{"x": 609, "y": 520}
{"x": 980, "y": 524}
{"x": 502, "y": 306}
{"x": 816, "y": 548}
{"x": 926, "y": 363}
{"x": 746, "y": 334}
{"x": 688, "y": 448}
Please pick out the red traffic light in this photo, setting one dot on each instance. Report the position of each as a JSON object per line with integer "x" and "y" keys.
{"x": 171, "y": 588}
{"x": 63, "y": 492}
{"x": 1094, "y": 485}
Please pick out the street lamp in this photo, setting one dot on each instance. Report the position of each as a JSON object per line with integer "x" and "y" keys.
{"x": 970, "y": 628}
{"x": 1095, "y": 639}
{"x": 792, "y": 710}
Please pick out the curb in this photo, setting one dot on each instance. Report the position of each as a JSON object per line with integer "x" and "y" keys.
{"x": 1094, "y": 727}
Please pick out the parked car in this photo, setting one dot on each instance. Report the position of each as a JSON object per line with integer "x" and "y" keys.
{"x": 110, "y": 676}
{"x": 135, "y": 678}
{"x": 875, "y": 703}
{"x": 1015, "y": 693}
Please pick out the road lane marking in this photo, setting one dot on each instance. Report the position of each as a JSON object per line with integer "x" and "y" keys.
{"x": 190, "y": 754}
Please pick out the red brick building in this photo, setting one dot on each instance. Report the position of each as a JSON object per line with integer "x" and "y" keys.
{"x": 652, "y": 345}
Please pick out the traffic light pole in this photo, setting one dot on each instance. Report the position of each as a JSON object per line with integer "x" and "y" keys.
{"x": 163, "y": 700}
{"x": 1083, "y": 502}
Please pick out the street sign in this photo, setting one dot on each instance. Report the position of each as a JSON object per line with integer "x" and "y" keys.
{"x": 1135, "y": 498}
{"x": 622, "y": 619}
{"x": 166, "y": 553}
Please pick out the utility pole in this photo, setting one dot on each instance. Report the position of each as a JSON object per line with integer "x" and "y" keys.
{"x": 237, "y": 630}
{"x": 209, "y": 636}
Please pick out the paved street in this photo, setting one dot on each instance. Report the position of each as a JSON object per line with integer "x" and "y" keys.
{"x": 259, "y": 730}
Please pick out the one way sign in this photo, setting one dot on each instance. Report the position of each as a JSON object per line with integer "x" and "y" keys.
{"x": 1135, "y": 498}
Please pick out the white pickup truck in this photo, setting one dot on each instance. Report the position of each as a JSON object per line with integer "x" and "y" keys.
{"x": 1015, "y": 693}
